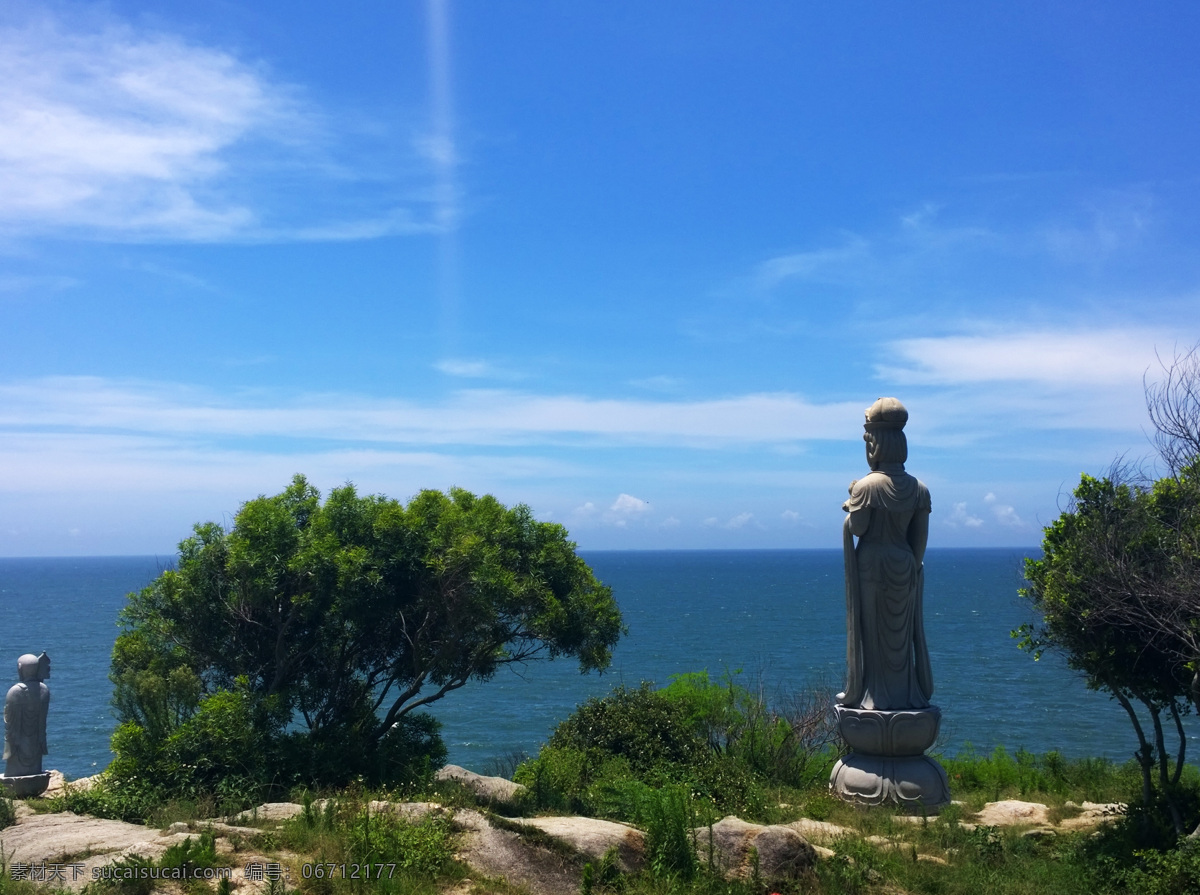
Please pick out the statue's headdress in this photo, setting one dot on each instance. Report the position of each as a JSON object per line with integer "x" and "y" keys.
{"x": 886, "y": 413}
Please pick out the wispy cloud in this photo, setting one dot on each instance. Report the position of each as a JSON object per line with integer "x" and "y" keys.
{"x": 475, "y": 368}
{"x": 475, "y": 416}
{"x": 113, "y": 132}
{"x": 812, "y": 264}
{"x": 36, "y": 284}
{"x": 961, "y": 517}
{"x": 1059, "y": 358}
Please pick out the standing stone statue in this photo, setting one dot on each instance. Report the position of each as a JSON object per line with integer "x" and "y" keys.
{"x": 25, "y": 710}
{"x": 885, "y": 715}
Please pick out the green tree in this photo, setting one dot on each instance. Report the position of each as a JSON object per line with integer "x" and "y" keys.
{"x": 334, "y": 621}
{"x": 1103, "y": 561}
{"x": 1117, "y": 588}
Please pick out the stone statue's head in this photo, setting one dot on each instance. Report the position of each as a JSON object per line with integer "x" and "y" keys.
{"x": 886, "y": 444}
{"x": 27, "y": 667}
{"x": 43, "y": 667}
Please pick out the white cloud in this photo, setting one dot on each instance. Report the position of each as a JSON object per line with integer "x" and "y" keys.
{"x": 1007, "y": 515}
{"x": 814, "y": 264}
{"x": 115, "y": 132}
{"x": 1056, "y": 358}
{"x": 462, "y": 367}
{"x": 470, "y": 417}
{"x": 789, "y": 516}
{"x": 657, "y": 383}
{"x": 628, "y": 505}
{"x": 669, "y": 522}
{"x": 474, "y": 368}
{"x": 741, "y": 520}
{"x": 587, "y": 509}
{"x": 960, "y": 517}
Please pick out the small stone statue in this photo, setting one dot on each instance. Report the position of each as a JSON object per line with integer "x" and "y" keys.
{"x": 884, "y": 713}
{"x": 25, "y": 709}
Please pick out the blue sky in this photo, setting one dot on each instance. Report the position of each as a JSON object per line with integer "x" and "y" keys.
{"x": 638, "y": 265}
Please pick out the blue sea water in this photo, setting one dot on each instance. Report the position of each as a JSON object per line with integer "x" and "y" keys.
{"x": 778, "y": 615}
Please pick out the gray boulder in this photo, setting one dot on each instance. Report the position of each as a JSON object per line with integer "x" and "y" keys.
{"x": 740, "y": 850}
{"x": 593, "y": 837}
{"x": 486, "y": 789}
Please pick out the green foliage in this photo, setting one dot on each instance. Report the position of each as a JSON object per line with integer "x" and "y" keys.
{"x": 724, "y": 743}
{"x": 298, "y": 644}
{"x": 668, "y": 818}
{"x": 786, "y": 746}
{"x": 1023, "y": 774}
{"x": 8, "y": 811}
{"x": 1116, "y": 593}
{"x": 422, "y": 848}
{"x": 1113, "y": 536}
{"x": 1174, "y": 872}
{"x": 191, "y": 853}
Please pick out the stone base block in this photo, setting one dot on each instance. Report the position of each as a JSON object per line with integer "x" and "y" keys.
{"x": 25, "y": 787}
{"x": 915, "y": 782}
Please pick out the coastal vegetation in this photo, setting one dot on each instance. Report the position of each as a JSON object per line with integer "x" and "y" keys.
{"x": 299, "y": 645}
{"x": 1117, "y": 591}
{"x": 672, "y": 761}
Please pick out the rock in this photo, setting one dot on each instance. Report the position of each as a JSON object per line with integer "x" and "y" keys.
{"x": 278, "y": 810}
{"x": 1093, "y": 814}
{"x": 492, "y": 852}
{"x": 781, "y": 852}
{"x": 1012, "y": 812}
{"x": 1040, "y": 833}
{"x": 178, "y": 827}
{"x": 592, "y": 838}
{"x": 817, "y": 830}
{"x": 486, "y": 789}
{"x": 55, "y": 842}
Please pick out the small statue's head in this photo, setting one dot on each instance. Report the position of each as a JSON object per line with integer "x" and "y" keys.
{"x": 43, "y": 667}
{"x": 27, "y": 667}
{"x": 886, "y": 444}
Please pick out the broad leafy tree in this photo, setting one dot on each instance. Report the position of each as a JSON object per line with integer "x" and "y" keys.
{"x": 1101, "y": 588}
{"x": 1117, "y": 588}
{"x": 333, "y": 622}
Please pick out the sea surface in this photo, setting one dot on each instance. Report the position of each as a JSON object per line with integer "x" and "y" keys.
{"x": 778, "y": 616}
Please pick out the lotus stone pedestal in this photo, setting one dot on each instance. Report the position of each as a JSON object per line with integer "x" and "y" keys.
{"x": 887, "y": 762}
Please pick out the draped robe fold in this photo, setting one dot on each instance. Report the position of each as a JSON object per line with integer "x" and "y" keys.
{"x": 887, "y": 660}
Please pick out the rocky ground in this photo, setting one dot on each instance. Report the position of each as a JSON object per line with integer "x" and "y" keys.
{"x": 544, "y": 855}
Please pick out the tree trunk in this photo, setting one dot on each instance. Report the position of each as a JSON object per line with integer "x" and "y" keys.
{"x": 1145, "y": 753}
{"x": 1164, "y": 777}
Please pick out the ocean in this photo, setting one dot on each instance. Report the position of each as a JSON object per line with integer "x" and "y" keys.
{"x": 775, "y": 616}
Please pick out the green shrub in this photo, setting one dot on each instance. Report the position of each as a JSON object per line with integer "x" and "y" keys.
{"x": 667, "y": 816}
{"x": 8, "y": 811}
{"x": 1174, "y": 872}
{"x": 653, "y": 733}
{"x": 422, "y": 847}
{"x": 191, "y": 854}
{"x": 724, "y": 743}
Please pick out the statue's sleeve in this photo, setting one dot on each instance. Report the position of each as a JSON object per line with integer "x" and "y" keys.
{"x": 12, "y": 724}
{"x": 860, "y": 497}
{"x": 852, "y": 695}
{"x": 44, "y": 713}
